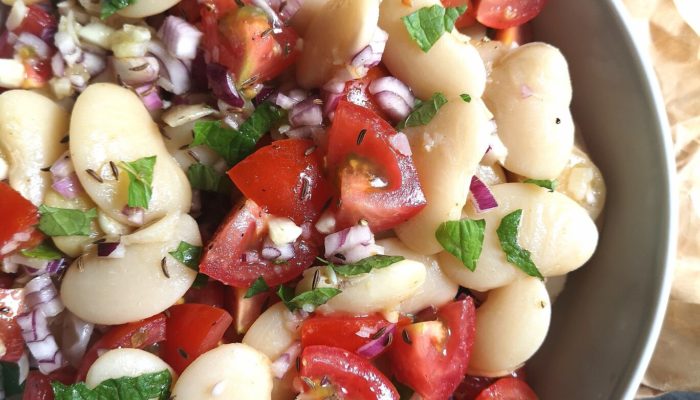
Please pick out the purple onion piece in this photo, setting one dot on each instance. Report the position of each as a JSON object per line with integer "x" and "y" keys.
{"x": 272, "y": 251}
{"x": 62, "y": 167}
{"x": 41, "y": 294}
{"x": 374, "y": 347}
{"x": 68, "y": 187}
{"x": 371, "y": 55}
{"x": 135, "y": 215}
{"x": 136, "y": 70}
{"x": 306, "y": 113}
{"x": 347, "y": 239}
{"x": 482, "y": 198}
{"x": 110, "y": 250}
{"x": 180, "y": 38}
{"x": 39, "y": 46}
{"x": 267, "y": 92}
{"x": 222, "y": 84}
{"x": 393, "y": 85}
{"x": 176, "y": 77}
{"x": 150, "y": 96}
{"x": 393, "y": 105}
{"x": 400, "y": 143}
{"x": 75, "y": 337}
{"x": 282, "y": 364}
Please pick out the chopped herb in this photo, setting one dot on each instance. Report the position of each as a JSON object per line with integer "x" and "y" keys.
{"x": 365, "y": 265}
{"x": 314, "y": 297}
{"x": 188, "y": 254}
{"x": 200, "y": 281}
{"x": 259, "y": 286}
{"x": 463, "y": 239}
{"x": 143, "y": 387}
{"x": 110, "y": 7}
{"x": 140, "y": 181}
{"x": 424, "y": 112}
{"x": 467, "y": 98}
{"x": 204, "y": 177}
{"x": 508, "y": 236}
{"x": 44, "y": 251}
{"x": 428, "y": 24}
{"x": 66, "y": 222}
{"x": 547, "y": 184}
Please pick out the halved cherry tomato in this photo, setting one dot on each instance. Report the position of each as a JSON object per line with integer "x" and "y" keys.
{"x": 135, "y": 335}
{"x": 286, "y": 178}
{"x": 520, "y": 34}
{"x": 192, "y": 330}
{"x": 472, "y": 385}
{"x": 38, "y": 386}
{"x": 468, "y": 18}
{"x": 508, "y": 389}
{"x": 501, "y": 14}
{"x": 246, "y": 311}
{"x": 19, "y": 218}
{"x": 347, "y": 375}
{"x": 233, "y": 256}
{"x": 432, "y": 357}
{"x": 348, "y": 333}
{"x": 39, "y": 22}
{"x": 357, "y": 90}
{"x": 377, "y": 182}
{"x": 11, "y": 305}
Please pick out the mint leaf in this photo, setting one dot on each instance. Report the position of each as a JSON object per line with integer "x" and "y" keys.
{"x": 467, "y": 98}
{"x": 463, "y": 239}
{"x": 508, "y": 236}
{"x": 234, "y": 145}
{"x": 428, "y": 24}
{"x": 44, "y": 251}
{"x": 366, "y": 265}
{"x": 110, "y": 7}
{"x": 143, "y": 387}
{"x": 547, "y": 184}
{"x": 200, "y": 280}
{"x": 140, "y": 181}
{"x": 424, "y": 112}
{"x": 188, "y": 254}
{"x": 204, "y": 177}
{"x": 65, "y": 221}
{"x": 316, "y": 297}
{"x": 259, "y": 286}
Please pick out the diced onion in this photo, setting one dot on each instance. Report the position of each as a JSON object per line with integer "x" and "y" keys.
{"x": 222, "y": 84}
{"x": 180, "y": 38}
{"x": 150, "y": 95}
{"x": 351, "y": 245}
{"x": 75, "y": 338}
{"x": 40, "y": 48}
{"x": 271, "y": 251}
{"x": 283, "y": 363}
{"x": 111, "y": 250}
{"x": 371, "y": 55}
{"x": 306, "y": 113}
{"x": 400, "y": 143}
{"x": 135, "y": 215}
{"x": 40, "y": 341}
{"x": 374, "y": 347}
{"x": 68, "y": 187}
{"x": 481, "y": 195}
{"x": 177, "y": 80}
{"x": 17, "y": 15}
{"x": 41, "y": 294}
{"x": 182, "y": 114}
{"x": 136, "y": 70}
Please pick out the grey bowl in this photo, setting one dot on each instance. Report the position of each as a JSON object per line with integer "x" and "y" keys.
{"x": 605, "y": 324}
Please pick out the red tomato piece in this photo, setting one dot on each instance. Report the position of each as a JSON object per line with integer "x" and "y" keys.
{"x": 11, "y": 305}
{"x": 520, "y": 34}
{"x": 286, "y": 178}
{"x": 213, "y": 294}
{"x": 472, "y": 385}
{"x": 432, "y": 357}
{"x": 39, "y": 22}
{"x": 227, "y": 257}
{"x": 19, "y": 218}
{"x": 187, "y": 10}
{"x": 502, "y": 14}
{"x": 357, "y": 91}
{"x": 38, "y": 386}
{"x": 347, "y": 375}
{"x": 192, "y": 330}
{"x": 6, "y": 280}
{"x": 38, "y": 73}
{"x": 135, "y": 335}
{"x": 468, "y": 18}
{"x": 508, "y": 389}
{"x": 246, "y": 311}
{"x": 348, "y": 333}
{"x": 377, "y": 182}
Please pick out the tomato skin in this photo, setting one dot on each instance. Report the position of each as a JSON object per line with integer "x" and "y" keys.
{"x": 286, "y": 178}
{"x": 39, "y": 22}
{"x": 38, "y": 73}
{"x": 436, "y": 360}
{"x": 508, "y": 388}
{"x": 355, "y": 377}
{"x": 468, "y": 18}
{"x": 243, "y": 230}
{"x": 502, "y": 14}
{"x": 19, "y": 216}
{"x": 187, "y": 10}
{"x": 192, "y": 330}
{"x": 382, "y": 207}
{"x": 357, "y": 90}
{"x": 38, "y": 386}
{"x": 213, "y": 294}
{"x": 12, "y": 304}
{"x": 136, "y": 335}
{"x": 340, "y": 331}
{"x": 472, "y": 385}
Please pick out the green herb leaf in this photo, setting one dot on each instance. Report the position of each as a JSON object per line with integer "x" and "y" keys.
{"x": 547, "y": 184}
{"x": 143, "y": 387}
{"x": 200, "y": 281}
{"x": 65, "y": 222}
{"x": 463, "y": 239}
{"x": 259, "y": 286}
{"x": 467, "y": 98}
{"x": 188, "y": 254}
{"x": 9, "y": 379}
{"x": 140, "y": 181}
{"x": 508, "y": 236}
{"x": 204, "y": 177}
{"x": 365, "y": 265}
{"x": 110, "y": 7}
{"x": 424, "y": 112}
{"x": 234, "y": 145}
{"x": 428, "y": 24}
{"x": 314, "y": 297}
{"x": 44, "y": 251}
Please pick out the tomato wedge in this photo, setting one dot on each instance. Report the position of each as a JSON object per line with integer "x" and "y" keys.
{"x": 472, "y": 385}
{"x": 286, "y": 178}
{"x": 377, "y": 182}
{"x": 502, "y": 14}
{"x": 348, "y": 333}
{"x": 213, "y": 294}
{"x": 19, "y": 218}
{"x": 328, "y": 371}
{"x": 11, "y": 305}
{"x": 508, "y": 389}
{"x": 468, "y": 18}
{"x": 432, "y": 357}
{"x": 38, "y": 386}
{"x": 136, "y": 335}
{"x": 192, "y": 330}
{"x": 233, "y": 256}
{"x": 357, "y": 92}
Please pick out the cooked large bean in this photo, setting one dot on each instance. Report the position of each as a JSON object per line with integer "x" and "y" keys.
{"x": 339, "y": 31}
{"x": 231, "y": 371}
{"x": 452, "y": 66}
{"x": 273, "y": 332}
{"x": 446, "y": 153}
{"x": 72, "y": 245}
{"x": 120, "y": 363}
{"x": 582, "y": 181}
{"x": 118, "y": 290}
{"x": 110, "y": 123}
{"x": 377, "y": 291}
{"x": 146, "y": 8}
{"x": 510, "y": 327}
{"x": 437, "y": 289}
{"x": 529, "y": 94}
{"x": 308, "y": 11}
{"x": 559, "y": 234}
{"x": 31, "y": 129}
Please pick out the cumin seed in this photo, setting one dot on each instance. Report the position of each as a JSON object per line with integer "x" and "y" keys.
{"x": 139, "y": 67}
{"x": 317, "y": 278}
{"x": 115, "y": 170}
{"x": 361, "y": 136}
{"x": 376, "y": 335}
{"x": 164, "y": 267}
{"x": 405, "y": 337}
{"x": 94, "y": 175}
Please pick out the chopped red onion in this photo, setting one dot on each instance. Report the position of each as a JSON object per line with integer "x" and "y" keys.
{"x": 393, "y": 105}
{"x": 284, "y": 101}
{"x": 306, "y": 113}
{"x": 180, "y": 38}
{"x": 401, "y": 144}
{"x": 58, "y": 66}
{"x": 222, "y": 84}
{"x": 427, "y": 314}
{"x": 282, "y": 364}
{"x": 393, "y": 97}
{"x": 68, "y": 187}
{"x": 111, "y": 250}
{"x": 14, "y": 242}
{"x": 40, "y": 293}
{"x": 374, "y": 347}
{"x": 371, "y": 55}
{"x": 481, "y": 195}
{"x": 40, "y": 48}
{"x": 250, "y": 257}
{"x": 94, "y": 64}
{"x": 68, "y": 48}
{"x": 75, "y": 338}
{"x": 36, "y": 266}
{"x": 41, "y": 343}
{"x": 135, "y": 215}
{"x": 393, "y": 85}
{"x": 136, "y": 70}
{"x": 351, "y": 245}
{"x": 150, "y": 95}
{"x": 62, "y": 167}
{"x": 177, "y": 79}
{"x": 272, "y": 251}
{"x": 525, "y": 91}
{"x": 305, "y": 132}
{"x": 289, "y": 9}
{"x": 267, "y": 92}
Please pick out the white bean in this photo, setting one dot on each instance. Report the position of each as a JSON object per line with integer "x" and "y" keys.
{"x": 559, "y": 234}
{"x": 491, "y": 174}
{"x": 437, "y": 289}
{"x": 72, "y": 245}
{"x": 308, "y": 11}
{"x": 452, "y": 66}
{"x": 273, "y": 332}
{"x": 446, "y": 153}
{"x": 510, "y": 327}
{"x": 582, "y": 181}
{"x": 339, "y": 31}
{"x": 146, "y": 8}
{"x": 231, "y": 371}
{"x": 31, "y": 129}
{"x": 121, "y": 363}
{"x": 114, "y": 291}
{"x": 529, "y": 94}
{"x": 110, "y": 123}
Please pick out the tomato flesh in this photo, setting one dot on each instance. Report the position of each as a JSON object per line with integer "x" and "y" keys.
{"x": 11, "y": 305}
{"x": 472, "y": 385}
{"x": 468, "y": 18}
{"x": 19, "y": 218}
{"x": 508, "y": 388}
{"x": 286, "y": 178}
{"x": 357, "y": 92}
{"x": 213, "y": 294}
{"x": 377, "y": 182}
{"x": 502, "y": 14}
{"x": 347, "y": 375}
{"x": 39, "y": 22}
{"x": 38, "y": 386}
{"x": 348, "y": 333}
